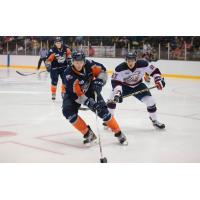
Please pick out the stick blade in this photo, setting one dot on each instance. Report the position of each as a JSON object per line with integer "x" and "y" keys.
{"x": 25, "y": 74}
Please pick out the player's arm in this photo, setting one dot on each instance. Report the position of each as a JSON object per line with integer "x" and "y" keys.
{"x": 49, "y": 60}
{"x": 100, "y": 74}
{"x": 79, "y": 96}
{"x": 117, "y": 82}
{"x": 99, "y": 71}
{"x": 69, "y": 56}
{"x": 156, "y": 74}
{"x": 73, "y": 87}
{"x": 68, "y": 53}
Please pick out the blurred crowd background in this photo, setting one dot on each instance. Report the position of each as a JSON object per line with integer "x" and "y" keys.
{"x": 170, "y": 47}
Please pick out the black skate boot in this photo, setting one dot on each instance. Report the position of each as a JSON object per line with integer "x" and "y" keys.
{"x": 157, "y": 124}
{"x": 53, "y": 97}
{"x": 90, "y": 137}
{"x": 121, "y": 138}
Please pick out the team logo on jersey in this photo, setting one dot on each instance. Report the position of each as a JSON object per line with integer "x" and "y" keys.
{"x": 135, "y": 77}
{"x": 60, "y": 59}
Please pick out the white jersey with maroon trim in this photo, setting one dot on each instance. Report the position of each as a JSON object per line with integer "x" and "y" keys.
{"x": 132, "y": 77}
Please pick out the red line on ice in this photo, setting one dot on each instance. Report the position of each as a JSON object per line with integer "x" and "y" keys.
{"x": 35, "y": 147}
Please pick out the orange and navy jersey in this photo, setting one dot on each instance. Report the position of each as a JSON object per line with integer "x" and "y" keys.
{"x": 78, "y": 83}
{"x": 59, "y": 57}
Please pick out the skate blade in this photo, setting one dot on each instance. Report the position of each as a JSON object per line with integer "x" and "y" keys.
{"x": 159, "y": 128}
{"x": 124, "y": 143}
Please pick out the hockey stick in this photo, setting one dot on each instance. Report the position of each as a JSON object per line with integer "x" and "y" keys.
{"x": 132, "y": 94}
{"x": 135, "y": 93}
{"x": 102, "y": 159}
{"x": 140, "y": 92}
{"x": 28, "y": 74}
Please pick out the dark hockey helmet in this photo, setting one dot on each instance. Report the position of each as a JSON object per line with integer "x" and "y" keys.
{"x": 131, "y": 55}
{"x": 58, "y": 39}
{"x": 78, "y": 55}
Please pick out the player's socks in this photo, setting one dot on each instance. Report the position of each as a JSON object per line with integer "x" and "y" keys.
{"x": 88, "y": 134}
{"x": 112, "y": 123}
{"x": 53, "y": 91}
{"x": 80, "y": 125}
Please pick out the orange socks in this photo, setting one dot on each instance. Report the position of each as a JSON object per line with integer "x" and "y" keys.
{"x": 53, "y": 89}
{"x": 112, "y": 123}
{"x": 80, "y": 125}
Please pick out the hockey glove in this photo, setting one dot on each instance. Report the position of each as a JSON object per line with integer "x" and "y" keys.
{"x": 93, "y": 105}
{"x": 48, "y": 66}
{"x": 97, "y": 85}
{"x": 118, "y": 98}
{"x": 160, "y": 82}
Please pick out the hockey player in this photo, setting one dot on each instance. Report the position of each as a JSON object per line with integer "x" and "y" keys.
{"x": 83, "y": 80}
{"x": 127, "y": 79}
{"x": 59, "y": 58}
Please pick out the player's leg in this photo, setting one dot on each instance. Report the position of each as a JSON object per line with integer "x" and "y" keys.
{"x": 147, "y": 98}
{"x": 54, "y": 82}
{"x": 63, "y": 87}
{"x": 70, "y": 111}
{"x": 111, "y": 104}
{"x": 44, "y": 59}
{"x": 110, "y": 121}
{"x": 39, "y": 63}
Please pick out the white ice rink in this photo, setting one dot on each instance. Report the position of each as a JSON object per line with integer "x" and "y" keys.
{"x": 33, "y": 129}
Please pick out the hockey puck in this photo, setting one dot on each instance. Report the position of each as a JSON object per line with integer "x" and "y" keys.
{"x": 103, "y": 160}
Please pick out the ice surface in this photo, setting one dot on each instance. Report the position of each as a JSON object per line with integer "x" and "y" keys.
{"x": 33, "y": 129}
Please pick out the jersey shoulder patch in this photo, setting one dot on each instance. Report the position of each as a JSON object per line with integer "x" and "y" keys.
{"x": 121, "y": 67}
{"x": 88, "y": 61}
{"x": 142, "y": 63}
{"x": 92, "y": 63}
